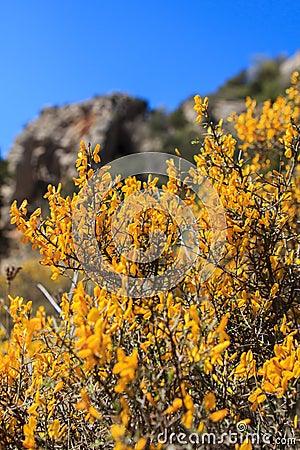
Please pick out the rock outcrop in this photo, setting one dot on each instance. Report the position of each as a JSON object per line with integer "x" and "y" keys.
{"x": 45, "y": 151}
{"x": 290, "y": 65}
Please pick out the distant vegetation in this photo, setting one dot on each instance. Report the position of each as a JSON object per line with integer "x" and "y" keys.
{"x": 175, "y": 131}
{"x": 263, "y": 81}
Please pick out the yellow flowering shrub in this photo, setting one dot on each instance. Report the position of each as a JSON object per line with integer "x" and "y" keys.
{"x": 208, "y": 355}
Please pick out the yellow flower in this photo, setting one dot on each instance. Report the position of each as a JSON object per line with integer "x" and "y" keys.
{"x": 29, "y": 432}
{"x": 209, "y": 401}
{"x": 141, "y": 444}
{"x": 117, "y": 431}
{"x": 256, "y": 398}
{"x": 201, "y": 107}
{"x": 247, "y": 366}
{"x": 96, "y": 156}
{"x": 126, "y": 368}
{"x": 218, "y": 415}
{"x": 177, "y": 403}
{"x": 187, "y": 419}
{"x": 53, "y": 429}
{"x": 29, "y": 442}
{"x": 127, "y": 364}
{"x": 94, "y": 413}
{"x": 246, "y": 445}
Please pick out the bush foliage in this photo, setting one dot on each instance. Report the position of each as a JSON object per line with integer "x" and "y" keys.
{"x": 218, "y": 356}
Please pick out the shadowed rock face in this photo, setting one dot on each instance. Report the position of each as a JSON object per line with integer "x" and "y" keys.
{"x": 45, "y": 152}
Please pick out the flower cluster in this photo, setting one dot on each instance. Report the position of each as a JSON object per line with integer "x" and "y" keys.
{"x": 202, "y": 357}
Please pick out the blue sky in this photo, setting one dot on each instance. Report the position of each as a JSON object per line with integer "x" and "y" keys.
{"x": 62, "y": 51}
